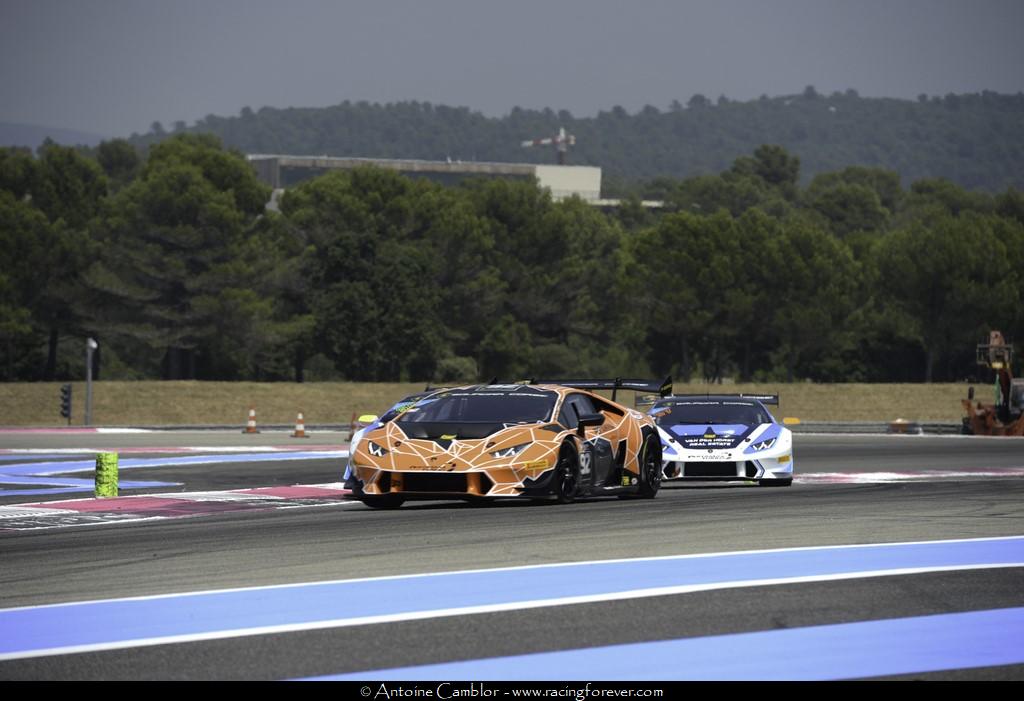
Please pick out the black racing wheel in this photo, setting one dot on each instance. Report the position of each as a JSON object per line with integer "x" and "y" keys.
{"x": 650, "y": 467}
{"x": 567, "y": 475}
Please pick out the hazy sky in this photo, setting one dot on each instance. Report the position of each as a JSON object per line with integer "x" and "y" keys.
{"x": 114, "y": 66}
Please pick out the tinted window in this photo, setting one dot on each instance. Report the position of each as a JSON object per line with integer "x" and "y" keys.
{"x": 475, "y": 406}
{"x": 574, "y": 406}
{"x": 709, "y": 412}
{"x": 402, "y": 405}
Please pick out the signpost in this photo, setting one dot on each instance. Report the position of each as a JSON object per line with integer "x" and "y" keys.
{"x": 90, "y": 346}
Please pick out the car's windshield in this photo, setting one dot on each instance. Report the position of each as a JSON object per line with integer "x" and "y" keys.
{"x": 402, "y": 405}
{"x": 711, "y": 411}
{"x": 520, "y": 405}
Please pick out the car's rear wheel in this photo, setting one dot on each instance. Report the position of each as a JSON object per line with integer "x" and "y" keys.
{"x": 389, "y": 501}
{"x": 567, "y": 475}
{"x": 650, "y": 468}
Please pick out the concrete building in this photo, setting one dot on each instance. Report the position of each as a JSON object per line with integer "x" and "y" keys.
{"x": 563, "y": 181}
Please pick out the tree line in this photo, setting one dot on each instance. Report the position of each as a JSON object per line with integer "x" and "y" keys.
{"x": 975, "y": 140}
{"x": 172, "y": 262}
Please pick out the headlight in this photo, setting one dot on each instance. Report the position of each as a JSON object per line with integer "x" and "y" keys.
{"x": 764, "y": 445}
{"x": 375, "y": 450}
{"x": 509, "y": 452}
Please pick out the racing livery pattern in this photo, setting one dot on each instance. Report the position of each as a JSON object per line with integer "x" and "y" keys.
{"x": 543, "y": 441}
{"x": 723, "y": 437}
{"x": 378, "y": 421}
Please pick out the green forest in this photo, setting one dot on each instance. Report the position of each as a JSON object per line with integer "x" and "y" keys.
{"x": 169, "y": 258}
{"x": 974, "y": 140}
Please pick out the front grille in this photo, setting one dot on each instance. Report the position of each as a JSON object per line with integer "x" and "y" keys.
{"x": 710, "y": 469}
{"x": 434, "y": 482}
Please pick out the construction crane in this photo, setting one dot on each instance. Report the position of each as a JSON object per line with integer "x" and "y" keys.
{"x": 561, "y": 142}
{"x": 1005, "y": 417}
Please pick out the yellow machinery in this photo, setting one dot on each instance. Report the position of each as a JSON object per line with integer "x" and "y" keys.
{"x": 1005, "y": 416}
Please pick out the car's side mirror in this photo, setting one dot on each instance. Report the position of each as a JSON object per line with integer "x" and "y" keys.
{"x": 589, "y": 420}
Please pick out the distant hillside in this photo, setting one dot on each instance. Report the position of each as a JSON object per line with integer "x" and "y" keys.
{"x": 976, "y": 140}
{"x": 32, "y": 136}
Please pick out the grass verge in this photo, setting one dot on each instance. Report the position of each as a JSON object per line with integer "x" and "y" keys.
{"x": 118, "y": 403}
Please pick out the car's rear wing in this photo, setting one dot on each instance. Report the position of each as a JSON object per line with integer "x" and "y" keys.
{"x": 772, "y": 399}
{"x": 663, "y": 388}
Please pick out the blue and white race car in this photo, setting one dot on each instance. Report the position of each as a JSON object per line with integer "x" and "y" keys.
{"x": 723, "y": 437}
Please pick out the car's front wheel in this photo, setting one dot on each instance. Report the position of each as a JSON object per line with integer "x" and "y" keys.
{"x": 567, "y": 475}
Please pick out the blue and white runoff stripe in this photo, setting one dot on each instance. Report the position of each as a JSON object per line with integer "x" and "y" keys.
{"x": 844, "y": 651}
{"x": 46, "y": 475}
{"x": 56, "y": 629}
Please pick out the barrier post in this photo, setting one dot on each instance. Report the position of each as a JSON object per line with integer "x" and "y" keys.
{"x": 106, "y": 474}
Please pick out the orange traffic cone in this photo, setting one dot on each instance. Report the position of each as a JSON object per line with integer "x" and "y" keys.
{"x": 251, "y": 426}
{"x": 300, "y": 427}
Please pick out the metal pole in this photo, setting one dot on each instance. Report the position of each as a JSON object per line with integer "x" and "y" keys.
{"x": 90, "y": 346}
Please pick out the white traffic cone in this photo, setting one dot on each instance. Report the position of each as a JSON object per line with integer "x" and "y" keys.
{"x": 300, "y": 427}
{"x": 251, "y": 426}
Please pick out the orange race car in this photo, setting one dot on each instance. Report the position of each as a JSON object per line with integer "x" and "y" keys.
{"x": 539, "y": 440}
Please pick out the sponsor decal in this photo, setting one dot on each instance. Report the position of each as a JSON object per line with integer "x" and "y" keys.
{"x": 585, "y": 458}
{"x": 709, "y": 442}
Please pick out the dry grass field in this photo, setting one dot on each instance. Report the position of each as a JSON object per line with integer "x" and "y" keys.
{"x": 227, "y": 403}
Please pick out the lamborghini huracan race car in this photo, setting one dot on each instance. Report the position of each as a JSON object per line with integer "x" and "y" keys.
{"x": 555, "y": 442}
{"x": 723, "y": 437}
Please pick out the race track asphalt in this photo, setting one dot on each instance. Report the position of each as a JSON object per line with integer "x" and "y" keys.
{"x": 344, "y": 541}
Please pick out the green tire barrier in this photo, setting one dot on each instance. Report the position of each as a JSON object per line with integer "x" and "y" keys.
{"x": 106, "y": 474}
